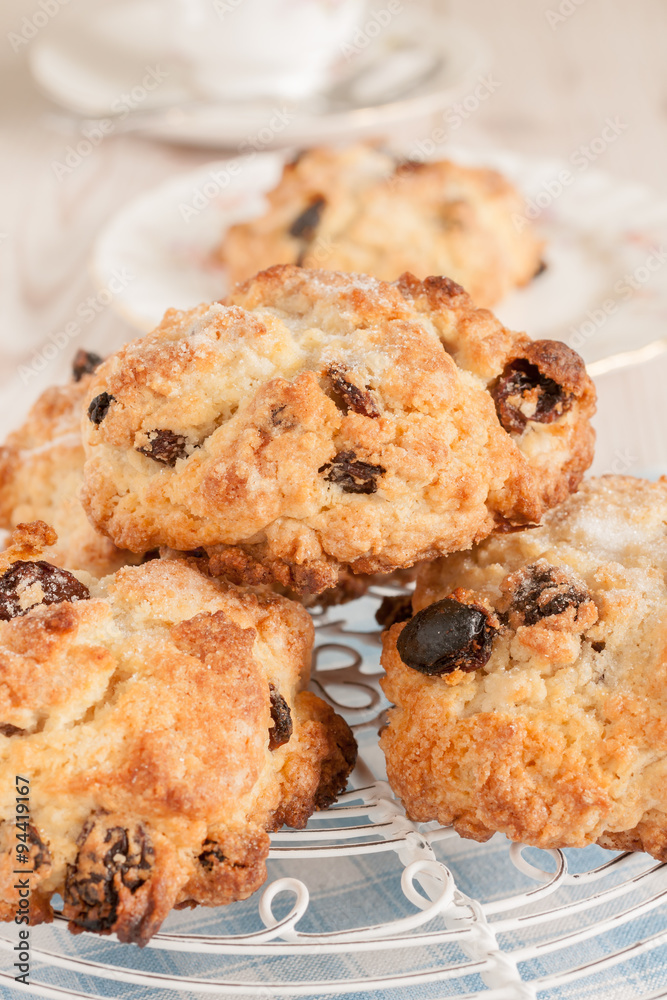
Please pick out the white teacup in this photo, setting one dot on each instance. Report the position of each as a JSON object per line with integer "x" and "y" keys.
{"x": 255, "y": 48}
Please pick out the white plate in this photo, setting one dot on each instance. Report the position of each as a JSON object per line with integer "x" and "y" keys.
{"x": 91, "y": 55}
{"x": 600, "y": 234}
{"x": 164, "y": 239}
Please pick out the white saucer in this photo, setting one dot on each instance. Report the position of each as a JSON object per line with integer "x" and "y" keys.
{"x": 598, "y": 231}
{"x": 90, "y": 55}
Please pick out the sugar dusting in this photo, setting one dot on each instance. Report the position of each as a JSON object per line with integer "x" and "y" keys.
{"x": 616, "y": 519}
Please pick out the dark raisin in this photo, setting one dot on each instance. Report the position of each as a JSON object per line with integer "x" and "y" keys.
{"x": 544, "y": 590}
{"x": 84, "y": 363}
{"x": 447, "y": 636}
{"x": 150, "y": 556}
{"x": 305, "y": 224}
{"x": 40, "y": 855}
{"x": 211, "y": 855}
{"x": 350, "y": 397}
{"x": 523, "y": 393}
{"x": 7, "y": 729}
{"x": 599, "y": 647}
{"x": 454, "y": 214}
{"x": 541, "y": 268}
{"x": 352, "y": 475}
{"x": 394, "y": 609}
{"x": 110, "y": 859}
{"x": 99, "y": 407}
{"x": 165, "y": 447}
{"x": 56, "y": 585}
{"x": 281, "y": 420}
{"x": 280, "y": 732}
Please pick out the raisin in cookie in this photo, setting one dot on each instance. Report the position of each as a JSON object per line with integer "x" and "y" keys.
{"x": 356, "y": 210}
{"x": 41, "y": 472}
{"x": 161, "y": 722}
{"x": 530, "y": 684}
{"x": 322, "y": 420}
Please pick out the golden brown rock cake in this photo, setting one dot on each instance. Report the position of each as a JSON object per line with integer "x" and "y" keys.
{"x": 359, "y": 210}
{"x": 160, "y": 722}
{"x": 41, "y": 473}
{"x": 319, "y": 421}
{"x": 530, "y": 685}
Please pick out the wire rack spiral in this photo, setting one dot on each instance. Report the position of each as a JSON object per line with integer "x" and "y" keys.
{"x": 364, "y": 900}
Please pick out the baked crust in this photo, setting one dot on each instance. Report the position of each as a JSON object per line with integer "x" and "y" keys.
{"x": 239, "y": 567}
{"x": 41, "y": 472}
{"x": 560, "y": 739}
{"x": 359, "y": 210}
{"x": 315, "y": 423}
{"x": 142, "y": 716}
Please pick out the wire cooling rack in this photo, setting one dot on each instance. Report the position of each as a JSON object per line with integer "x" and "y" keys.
{"x": 364, "y": 900}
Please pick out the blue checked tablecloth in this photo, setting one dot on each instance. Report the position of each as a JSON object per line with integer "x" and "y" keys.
{"x": 357, "y": 891}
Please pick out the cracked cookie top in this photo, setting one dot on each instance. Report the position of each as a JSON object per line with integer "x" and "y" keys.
{"x": 318, "y": 420}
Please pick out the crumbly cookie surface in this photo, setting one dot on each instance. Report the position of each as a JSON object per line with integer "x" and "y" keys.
{"x": 357, "y": 210}
{"x": 322, "y": 420}
{"x": 530, "y": 685}
{"x": 161, "y": 720}
{"x": 41, "y": 472}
